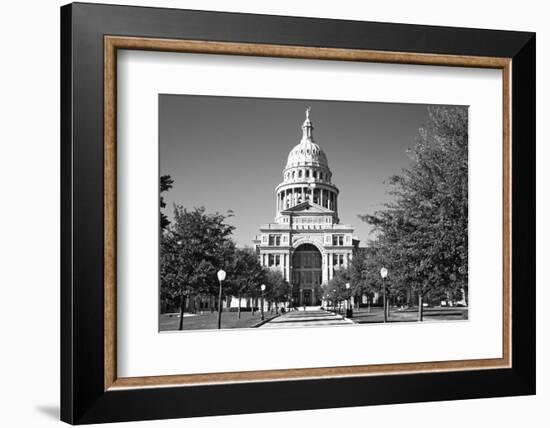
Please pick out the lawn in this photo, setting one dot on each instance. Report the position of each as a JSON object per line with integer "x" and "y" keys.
{"x": 376, "y": 315}
{"x": 209, "y": 320}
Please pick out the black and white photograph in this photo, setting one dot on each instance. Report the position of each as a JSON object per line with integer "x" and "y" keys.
{"x": 275, "y": 214}
{"x": 292, "y": 213}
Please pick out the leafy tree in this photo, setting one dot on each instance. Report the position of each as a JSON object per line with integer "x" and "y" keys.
{"x": 247, "y": 275}
{"x": 192, "y": 251}
{"x": 278, "y": 290}
{"x": 423, "y": 232}
{"x": 335, "y": 290}
{"x": 364, "y": 273}
{"x": 166, "y": 183}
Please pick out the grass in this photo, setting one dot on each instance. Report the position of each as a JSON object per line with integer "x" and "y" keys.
{"x": 209, "y": 320}
{"x": 376, "y": 314}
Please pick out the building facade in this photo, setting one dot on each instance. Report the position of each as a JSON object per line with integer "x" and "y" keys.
{"x": 306, "y": 241}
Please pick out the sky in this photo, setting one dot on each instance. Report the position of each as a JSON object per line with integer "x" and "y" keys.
{"x": 228, "y": 153}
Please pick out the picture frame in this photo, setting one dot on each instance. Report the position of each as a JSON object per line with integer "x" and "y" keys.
{"x": 91, "y": 391}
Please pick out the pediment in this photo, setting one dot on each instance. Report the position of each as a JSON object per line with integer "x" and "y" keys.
{"x": 307, "y": 207}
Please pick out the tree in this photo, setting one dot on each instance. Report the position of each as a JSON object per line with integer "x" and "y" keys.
{"x": 278, "y": 290}
{"x": 166, "y": 183}
{"x": 335, "y": 290}
{"x": 364, "y": 273}
{"x": 247, "y": 275}
{"x": 423, "y": 232}
{"x": 194, "y": 248}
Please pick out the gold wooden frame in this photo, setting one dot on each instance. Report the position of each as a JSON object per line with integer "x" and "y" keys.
{"x": 113, "y": 43}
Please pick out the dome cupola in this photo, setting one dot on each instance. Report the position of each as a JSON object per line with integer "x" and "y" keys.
{"x": 307, "y": 152}
{"x": 307, "y": 178}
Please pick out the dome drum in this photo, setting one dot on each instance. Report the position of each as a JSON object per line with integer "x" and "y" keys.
{"x": 307, "y": 173}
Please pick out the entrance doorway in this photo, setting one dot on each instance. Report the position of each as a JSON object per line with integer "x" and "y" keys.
{"x": 306, "y": 298}
{"x": 307, "y": 274}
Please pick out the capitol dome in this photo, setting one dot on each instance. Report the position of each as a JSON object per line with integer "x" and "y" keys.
{"x": 307, "y": 176}
{"x": 307, "y": 152}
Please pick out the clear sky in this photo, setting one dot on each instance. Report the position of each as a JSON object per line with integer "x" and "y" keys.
{"x": 229, "y": 153}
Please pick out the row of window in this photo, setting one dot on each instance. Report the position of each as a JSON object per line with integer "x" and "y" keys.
{"x": 314, "y": 220}
{"x": 275, "y": 240}
{"x": 306, "y": 278}
{"x": 306, "y": 261}
{"x": 306, "y": 173}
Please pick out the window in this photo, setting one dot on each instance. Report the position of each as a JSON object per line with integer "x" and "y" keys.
{"x": 307, "y": 173}
{"x": 300, "y": 174}
{"x": 338, "y": 240}
{"x": 337, "y": 260}
{"x": 314, "y": 174}
{"x": 274, "y": 240}
{"x": 271, "y": 260}
{"x": 277, "y": 260}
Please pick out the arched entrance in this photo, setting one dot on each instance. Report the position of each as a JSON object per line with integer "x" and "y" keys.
{"x": 307, "y": 275}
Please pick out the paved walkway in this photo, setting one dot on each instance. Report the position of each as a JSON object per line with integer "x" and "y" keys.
{"x": 311, "y": 317}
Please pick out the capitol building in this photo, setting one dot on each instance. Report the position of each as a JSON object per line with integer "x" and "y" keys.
{"x": 306, "y": 240}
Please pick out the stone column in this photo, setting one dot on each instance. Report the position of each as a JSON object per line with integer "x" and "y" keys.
{"x": 287, "y": 204}
{"x": 287, "y": 266}
{"x": 324, "y": 278}
{"x": 330, "y": 266}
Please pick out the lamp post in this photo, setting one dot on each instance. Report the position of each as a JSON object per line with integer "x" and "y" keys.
{"x": 349, "y": 312}
{"x": 221, "y": 277}
{"x": 384, "y": 274}
{"x": 262, "y": 287}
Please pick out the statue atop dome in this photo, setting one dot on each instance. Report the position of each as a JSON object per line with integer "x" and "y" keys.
{"x": 308, "y": 110}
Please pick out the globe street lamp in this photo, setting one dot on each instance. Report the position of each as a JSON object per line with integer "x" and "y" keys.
{"x": 262, "y": 287}
{"x": 384, "y": 274}
{"x": 221, "y": 277}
